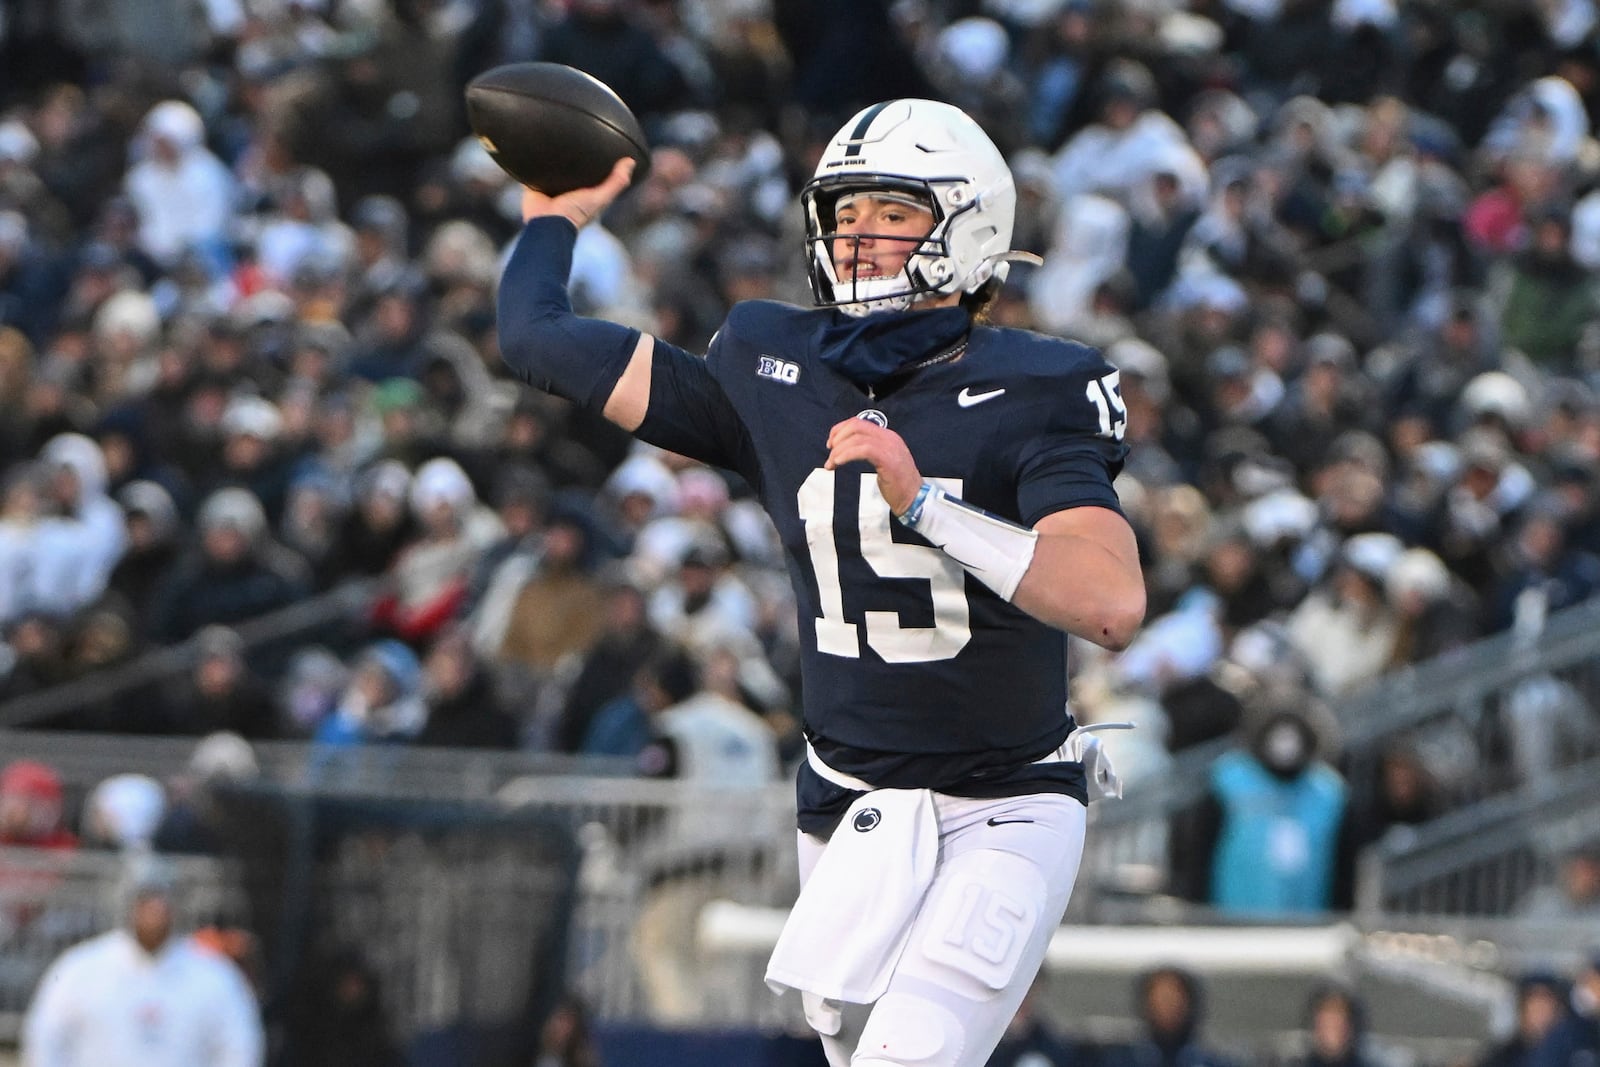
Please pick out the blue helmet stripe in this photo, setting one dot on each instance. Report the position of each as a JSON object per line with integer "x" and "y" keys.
{"x": 863, "y": 126}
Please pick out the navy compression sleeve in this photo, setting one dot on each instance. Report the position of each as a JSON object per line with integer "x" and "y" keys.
{"x": 541, "y": 339}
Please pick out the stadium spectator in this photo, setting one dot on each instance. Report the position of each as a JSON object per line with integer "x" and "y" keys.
{"x": 702, "y": 596}
{"x": 122, "y": 812}
{"x": 378, "y": 526}
{"x": 312, "y": 516}
{"x": 625, "y": 725}
{"x": 1575, "y": 892}
{"x": 83, "y": 533}
{"x": 1336, "y": 1021}
{"x": 463, "y": 709}
{"x": 1133, "y": 142}
{"x": 191, "y": 823}
{"x": 1541, "y": 1012}
{"x": 33, "y": 821}
{"x": 342, "y": 1019}
{"x": 35, "y": 644}
{"x": 146, "y": 987}
{"x": 31, "y": 807}
{"x": 1548, "y": 297}
{"x": 627, "y": 642}
{"x": 535, "y": 437}
{"x": 1401, "y": 793}
{"x": 252, "y": 457}
{"x": 538, "y": 611}
{"x": 430, "y": 574}
{"x": 1032, "y": 1041}
{"x": 313, "y": 682}
{"x": 182, "y": 193}
{"x": 1171, "y": 1010}
{"x": 221, "y": 693}
{"x": 567, "y": 1038}
{"x": 1581, "y": 1030}
{"x": 29, "y": 283}
{"x": 239, "y": 573}
{"x": 154, "y": 531}
{"x": 1538, "y": 564}
{"x": 1347, "y": 631}
{"x": 1264, "y": 841}
{"x": 1435, "y": 612}
{"x": 382, "y": 702}
{"x": 711, "y": 739}
{"x": 712, "y": 735}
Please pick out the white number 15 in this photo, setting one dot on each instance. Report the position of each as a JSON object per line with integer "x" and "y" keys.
{"x": 1106, "y": 396}
{"x": 888, "y": 558}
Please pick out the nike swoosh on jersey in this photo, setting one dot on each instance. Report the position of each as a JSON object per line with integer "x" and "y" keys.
{"x": 966, "y": 398}
{"x": 1006, "y": 822}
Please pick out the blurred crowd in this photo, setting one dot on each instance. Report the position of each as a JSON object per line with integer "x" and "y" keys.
{"x": 1341, "y": 252}
{"x": 1554, "y": 1022}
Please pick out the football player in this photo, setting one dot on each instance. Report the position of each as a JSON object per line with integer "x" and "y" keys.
{"x": 943, "y": 491}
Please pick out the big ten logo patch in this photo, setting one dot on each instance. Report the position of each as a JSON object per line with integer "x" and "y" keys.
{"x": 779, "y": 370}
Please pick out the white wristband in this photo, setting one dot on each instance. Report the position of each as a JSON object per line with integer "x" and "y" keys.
{"x": 994, "y": 551}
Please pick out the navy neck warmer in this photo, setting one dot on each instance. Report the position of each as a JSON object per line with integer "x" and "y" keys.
{"x": 875, "y": 347}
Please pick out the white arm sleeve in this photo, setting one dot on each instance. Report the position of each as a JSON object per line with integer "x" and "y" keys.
{"x": 992, "y": 550}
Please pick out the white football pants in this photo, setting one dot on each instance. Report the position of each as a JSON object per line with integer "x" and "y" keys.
{"x": 1000, "y": 887}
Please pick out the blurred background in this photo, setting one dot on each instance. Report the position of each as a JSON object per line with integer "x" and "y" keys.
{"x": 406, "y": 673}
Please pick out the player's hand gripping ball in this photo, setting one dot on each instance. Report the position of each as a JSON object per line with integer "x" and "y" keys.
{"x": 553, "y": 127}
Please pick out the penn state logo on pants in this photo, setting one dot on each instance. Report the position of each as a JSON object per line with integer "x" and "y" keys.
{"x": 873, "y": 415}
{"x": 866, "y": 819}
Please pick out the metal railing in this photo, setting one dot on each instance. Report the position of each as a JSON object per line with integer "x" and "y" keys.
{"x": 84, "y": 759}
{"x": 653, "y": 853}
{"x": 1127, "y": 843}
{"x": 1487, "y": 858}
{"x": 659, "y": 858}
{"x": 1479, "y": 859}
{"x": 1449, "y": 707}
{"x": 51, "y": 900}
{"x": 1453, "y": 708}
{"x": 1126, "y": 852}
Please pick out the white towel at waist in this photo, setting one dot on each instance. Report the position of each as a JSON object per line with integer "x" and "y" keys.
{"x": 848, "y": 928}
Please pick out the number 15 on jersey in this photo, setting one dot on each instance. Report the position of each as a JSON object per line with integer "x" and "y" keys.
{"x": 888, "y": 558}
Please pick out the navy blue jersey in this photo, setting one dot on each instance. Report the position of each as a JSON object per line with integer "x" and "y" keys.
{"x": 914, "y": 674}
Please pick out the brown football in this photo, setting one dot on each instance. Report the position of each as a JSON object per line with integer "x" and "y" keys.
{"x": 553, "y": 127}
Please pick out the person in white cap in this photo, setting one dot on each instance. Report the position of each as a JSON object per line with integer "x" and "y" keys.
{"x": 143, "y": 996}
{"x": 239, "y": 573}
{"x": 431, "y": 573}
{"x": 183, "y": 193}
{"x": 1347, "y": 630}
{"x": 85, "y": 533}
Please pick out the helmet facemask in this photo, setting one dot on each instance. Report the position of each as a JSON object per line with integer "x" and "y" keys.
{"x": 927, "y": 271}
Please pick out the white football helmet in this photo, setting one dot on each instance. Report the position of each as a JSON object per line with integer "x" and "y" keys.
{"x": 937, "y": 154}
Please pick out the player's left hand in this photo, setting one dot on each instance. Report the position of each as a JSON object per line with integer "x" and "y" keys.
{"x": 898, "y": 476}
